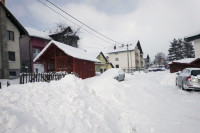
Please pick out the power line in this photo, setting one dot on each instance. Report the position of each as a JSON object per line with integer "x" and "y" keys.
{"x": 73, "y": 22}
{"x": 82, "y": 22}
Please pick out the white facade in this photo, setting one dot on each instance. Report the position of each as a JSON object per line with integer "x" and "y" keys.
{"x": 13, "y": 46}
{"x": 197, "y": 48}
{"x": 122, "y": 60}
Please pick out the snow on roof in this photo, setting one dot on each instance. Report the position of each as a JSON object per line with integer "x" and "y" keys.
{"x": 193, "y": 34}
{"x": 94, "y": 53}
{"x": 69, "y": 50}
{"x": 37, "y": 33}
{"x": 120, "y": 49}
{"x": 186, "y": 60}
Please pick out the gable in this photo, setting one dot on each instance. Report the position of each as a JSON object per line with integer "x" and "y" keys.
{"x": 102, "y": 58}
{"x": 9, "y": 15}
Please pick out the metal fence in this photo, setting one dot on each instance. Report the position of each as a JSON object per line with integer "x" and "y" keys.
{"x": 40, "y": 77}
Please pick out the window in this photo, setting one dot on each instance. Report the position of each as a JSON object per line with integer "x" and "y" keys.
{"x": 117, "y": 66}
{"x": 116, "y": 53}
{"x": 116, "y": 59}
{"x": 36, "y": 51}
{"x": 11, "y": 56}
{"x": 10, "y": 35}
{"x": 12, "y": 73}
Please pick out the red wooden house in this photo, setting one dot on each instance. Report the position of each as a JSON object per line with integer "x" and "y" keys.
{"x": 61, "y": 57}
{"x": 179, "y": 65}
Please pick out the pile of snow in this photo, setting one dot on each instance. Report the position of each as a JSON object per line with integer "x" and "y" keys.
{"x": 61, "y": 106}
{"x": 143, "y": 103}
{"x": 150, "y": 102}
{"x": 112, "y": 72}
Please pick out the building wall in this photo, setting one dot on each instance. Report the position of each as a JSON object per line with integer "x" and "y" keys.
{"x": 6, "y": 45}
{"x": 103, "y": 66}
{"x": 27, "y": 44}
{"x": 39, "y": 43}
{"x": 3, "y": 45}
{"x": 123, "y": 60}
{"x": 26, "y": 65}
{"x": 197, "y": 48}
{"x": 14, "y": 46}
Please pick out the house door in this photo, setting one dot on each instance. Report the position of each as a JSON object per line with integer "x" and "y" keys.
{"x": 38, "y": 68}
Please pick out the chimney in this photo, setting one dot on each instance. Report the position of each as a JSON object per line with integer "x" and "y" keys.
{"x": 3, "y": 2}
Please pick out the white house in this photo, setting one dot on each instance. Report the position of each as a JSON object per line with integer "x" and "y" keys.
{"x": 196, "y": 40}
{"x": 11, "y": 31}
{"x": 131, "y": 59}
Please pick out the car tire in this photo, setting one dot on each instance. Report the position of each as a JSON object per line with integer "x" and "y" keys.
{"x": 182, "y": 87}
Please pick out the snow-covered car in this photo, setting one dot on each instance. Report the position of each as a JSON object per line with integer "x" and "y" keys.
{"x": 189, "y": 79}
{"x": 116, "y": 73}
{"x": 150, "y": 69}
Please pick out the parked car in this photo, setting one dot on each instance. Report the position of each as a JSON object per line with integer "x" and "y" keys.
{"x": 116, "y": 73}
{"x": 189, "y": 79}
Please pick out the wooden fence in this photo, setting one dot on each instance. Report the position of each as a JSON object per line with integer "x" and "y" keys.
{"x": 40, "y": 77}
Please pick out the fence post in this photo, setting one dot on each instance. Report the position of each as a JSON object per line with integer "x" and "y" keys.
{"x": 0, "y": 85}
{"x": 8, "y": 83}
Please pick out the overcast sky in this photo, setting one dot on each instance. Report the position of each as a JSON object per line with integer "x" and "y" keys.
{"x": 154, "y": 22}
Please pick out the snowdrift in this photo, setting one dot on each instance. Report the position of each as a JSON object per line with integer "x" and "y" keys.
{"x": 61, "y": 106}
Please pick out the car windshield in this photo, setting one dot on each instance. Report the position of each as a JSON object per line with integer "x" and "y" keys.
{"x": 195, "y": 72}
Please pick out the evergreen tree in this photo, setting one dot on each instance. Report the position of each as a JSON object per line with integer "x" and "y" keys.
{"x": 148, "y": 61}
{"x": 175, "y": 50}
{"x": 188, "y": 50}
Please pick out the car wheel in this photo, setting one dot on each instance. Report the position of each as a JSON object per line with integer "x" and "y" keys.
{"x": 182, "y": 87}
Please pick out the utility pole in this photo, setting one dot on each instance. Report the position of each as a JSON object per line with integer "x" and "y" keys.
{"x": 127, "y": 57}
{"x": 127, "y": 45}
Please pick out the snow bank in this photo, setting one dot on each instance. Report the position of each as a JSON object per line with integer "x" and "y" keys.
{"x": 61, "y": 106}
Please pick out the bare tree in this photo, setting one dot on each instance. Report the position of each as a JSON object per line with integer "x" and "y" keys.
{"x": 61, "y": 26}
{"x": 160, "y": 59}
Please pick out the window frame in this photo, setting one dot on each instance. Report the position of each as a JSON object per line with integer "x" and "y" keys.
{"x": 15, "y": 74}
{"x": 10, "y": 56}
{"x": 10, "y": 35}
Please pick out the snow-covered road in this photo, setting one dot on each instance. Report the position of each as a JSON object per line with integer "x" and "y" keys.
{"x": 143, "y": 103}
{"x": 152, "y": 103}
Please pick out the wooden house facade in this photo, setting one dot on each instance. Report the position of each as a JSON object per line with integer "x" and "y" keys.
{"x": 61, "y": 57}
{"x": 179, "y": 65}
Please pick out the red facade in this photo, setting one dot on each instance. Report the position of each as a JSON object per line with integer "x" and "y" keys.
{"x": 37, "y": 43}
{"x": 56, "y": 60}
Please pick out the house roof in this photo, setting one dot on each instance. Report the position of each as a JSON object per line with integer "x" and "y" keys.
{"x": 192, "y": 37}
{"x": 37, "y": 33}
{"x": 120, "y": 49}
{"x": 139, "y": 47}
{"x": 69, "y": 50}
{"x": 184, "y": 61}
{"x": 9, "y": 15}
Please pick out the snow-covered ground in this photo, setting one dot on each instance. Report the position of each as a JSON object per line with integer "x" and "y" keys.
{"x": 143, "y": 103}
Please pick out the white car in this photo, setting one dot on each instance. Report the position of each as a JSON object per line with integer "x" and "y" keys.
{"x": 189, "y": 79}
{"x": 116, "y": 73}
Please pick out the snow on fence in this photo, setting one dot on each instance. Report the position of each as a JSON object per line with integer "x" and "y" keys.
{"x": 40, "y": 77}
